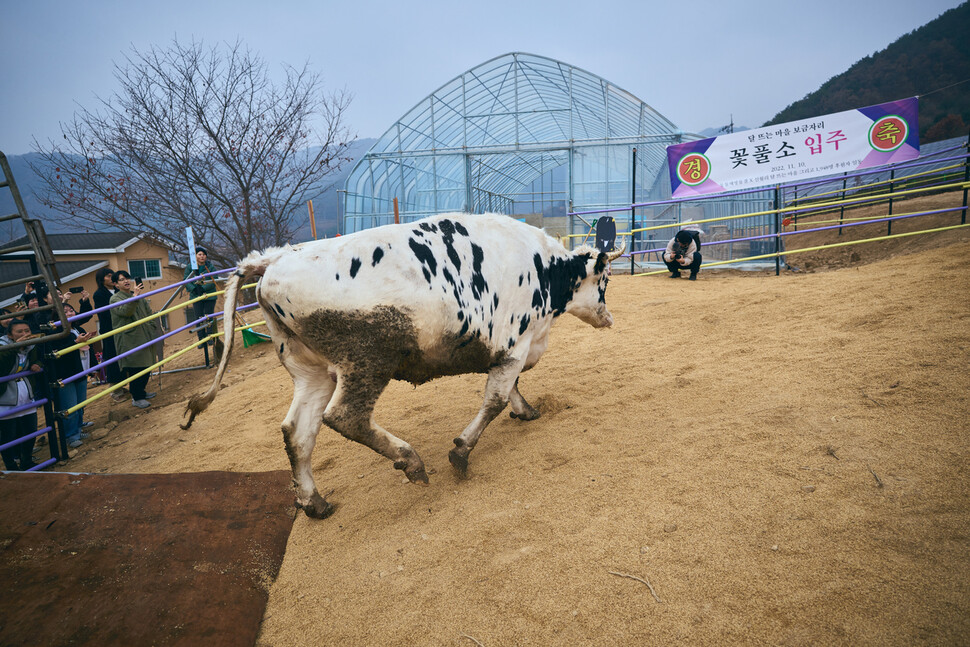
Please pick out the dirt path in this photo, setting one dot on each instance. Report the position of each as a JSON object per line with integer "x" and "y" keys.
{"x": 783, "y": 459}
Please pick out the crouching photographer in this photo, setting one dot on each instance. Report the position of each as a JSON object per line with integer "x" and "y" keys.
{"x": 683, "y": 252}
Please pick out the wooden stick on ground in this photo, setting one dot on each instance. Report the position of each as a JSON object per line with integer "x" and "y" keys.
{"x": 638, "y": 579}
{"x": 876, "y": 476}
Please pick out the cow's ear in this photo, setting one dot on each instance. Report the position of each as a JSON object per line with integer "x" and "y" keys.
{"x": 601, "y": 263}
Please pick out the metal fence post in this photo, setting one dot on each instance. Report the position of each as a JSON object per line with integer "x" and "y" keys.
{"x": 57, "y": 438}
{"x": 633, "y": 211}
{"x": 842, "y": 208}
{"x": 777, "y": 237}
{"x": 889, "y": 223}
{"x": 966, "y": 178}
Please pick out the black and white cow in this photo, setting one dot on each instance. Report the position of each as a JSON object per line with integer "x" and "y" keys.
{"x": 447, "y": 295}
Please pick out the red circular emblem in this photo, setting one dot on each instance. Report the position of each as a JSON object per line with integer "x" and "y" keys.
{"x": 889, "y": 133}
{"x": 693, "y": 169}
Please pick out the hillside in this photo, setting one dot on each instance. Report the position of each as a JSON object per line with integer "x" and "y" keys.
{"x": 932, "y": 62}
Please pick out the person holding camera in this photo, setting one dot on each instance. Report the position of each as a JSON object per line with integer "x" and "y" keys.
{"x": 122, "y": 315}
{"x": 16, "y": 393}
{"x": 102, "y": 297}
{"x": 36, "y": 293}
{"x": 199, "y": 288}
{"x": 69, "y": 365}
{"x": 683, "y": 252}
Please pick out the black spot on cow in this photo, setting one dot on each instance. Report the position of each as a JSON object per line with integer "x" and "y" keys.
{"x": 461, "y": 316}
{"x": 511, "y": 342}
{"x": 537, "y": 299}
{"x": 418, "y": 232}
{"x": 354, "y": 267}
{"x": 424, "y": 254}
{"x": 427, "y": 277}
{"x": 279, "y": 310}
{"x": 464, "y": 328}
{"x": 600, "y": 263}
{"x": 448, "y": 238}
{"x": 428, "y": 227}
{"x": 377, "y": 256}
{"x": 523, "y": 324}
{"x": 520, "y": 280}
{"x": 495, "y": 300}
{"x": 479, "y": 285}
{"x": 337, "y": 276}
{"x": 455, "y": 286}
{"x": 559, "y": 280}
{"x": 281, "y": 349}
{"x": 460, "y": 228}
{"x": 490, "y": 325}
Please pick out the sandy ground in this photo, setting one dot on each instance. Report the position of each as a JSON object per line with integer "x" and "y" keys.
{"x": 783, "y": 459}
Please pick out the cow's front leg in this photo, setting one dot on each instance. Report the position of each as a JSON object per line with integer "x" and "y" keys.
{"x": 350, "y": 413}
{"x": 501, "y": 382}
{"x": 310, "y": 397}
{"x": 520, "y": 408}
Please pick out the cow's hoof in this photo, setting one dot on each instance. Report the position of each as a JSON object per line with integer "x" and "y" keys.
{"x": 415, "y": 473}
{"x": 460, "y": 462}
{"x": 528, "y": 414}
{"x": 317, "y": 507}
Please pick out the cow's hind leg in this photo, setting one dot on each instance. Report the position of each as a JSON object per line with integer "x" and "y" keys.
{"x": 500, "y": 384}
{"x": 312, "y": 391}
{"x": 520, "y": 408}
{"x": 350, "y": 413}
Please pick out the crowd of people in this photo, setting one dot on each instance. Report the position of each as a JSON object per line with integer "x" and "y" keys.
{"x": 17, "y": 419}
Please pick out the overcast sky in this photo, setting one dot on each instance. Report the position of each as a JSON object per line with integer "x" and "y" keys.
{"x": 696, "y": 62}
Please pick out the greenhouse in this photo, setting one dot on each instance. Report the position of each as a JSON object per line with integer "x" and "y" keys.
{"x": 522, "y": 135}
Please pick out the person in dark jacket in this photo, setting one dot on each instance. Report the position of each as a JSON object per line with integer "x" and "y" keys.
{"x": 201, "y": 287}
{"x": 64, "y": 367}
{"x": 102, "y": 297}
{"x": 16, "y": 393}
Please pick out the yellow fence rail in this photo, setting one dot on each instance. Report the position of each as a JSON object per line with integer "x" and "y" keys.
{"x": 115, "y": 331}
{"x": 815, "y": 249}
{"x": 954, "y": 186}
{"x": 158, "y": 364}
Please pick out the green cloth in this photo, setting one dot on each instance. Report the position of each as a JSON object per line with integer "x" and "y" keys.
{"x": 128, "y": 339}
{"x": 203, "y": 286}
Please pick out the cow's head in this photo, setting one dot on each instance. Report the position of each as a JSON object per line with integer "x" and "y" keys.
{"x": 589, "y": 298}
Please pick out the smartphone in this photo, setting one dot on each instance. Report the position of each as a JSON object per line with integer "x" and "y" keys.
{"x": 137, "y": 280}
{"x": 77, "y": 290}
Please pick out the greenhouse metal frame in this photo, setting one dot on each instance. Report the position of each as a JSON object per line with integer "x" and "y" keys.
{"x": 523, "y": 135}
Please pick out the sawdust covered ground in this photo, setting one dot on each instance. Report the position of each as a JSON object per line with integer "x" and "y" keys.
{"x": 783, "y": 460}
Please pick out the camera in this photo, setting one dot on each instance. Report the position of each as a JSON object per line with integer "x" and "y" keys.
{"x": 41, "y": 289}
{"x": 77, "y": 290}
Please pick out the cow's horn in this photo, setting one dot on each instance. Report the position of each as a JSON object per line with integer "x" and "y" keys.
{"x": 612, "y": 256}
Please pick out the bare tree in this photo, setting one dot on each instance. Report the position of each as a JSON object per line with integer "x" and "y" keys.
{"x": 202, "y": 137}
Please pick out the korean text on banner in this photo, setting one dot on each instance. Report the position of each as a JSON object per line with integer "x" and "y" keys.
{"x": 831, "y": 144}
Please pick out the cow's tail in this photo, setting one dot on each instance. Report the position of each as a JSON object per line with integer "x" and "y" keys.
{"x": 253, "y": 265}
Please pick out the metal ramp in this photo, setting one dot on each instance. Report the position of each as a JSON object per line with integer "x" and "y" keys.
{"x": 41, "y": 260}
